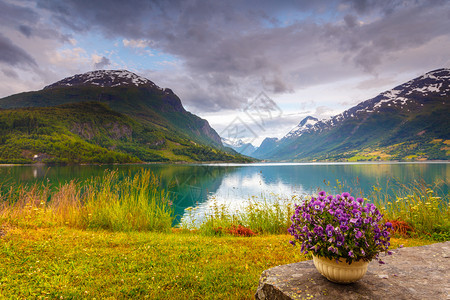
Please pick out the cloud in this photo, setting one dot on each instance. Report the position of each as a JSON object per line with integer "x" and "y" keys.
{"x": 10, "y": 73}
{"x": 140, "y": 46}
{"x": 136, "y": 43}
{"x": 13, "y": 55}
{"x": 100, "y": 62}
{"x": 227, "y": 52}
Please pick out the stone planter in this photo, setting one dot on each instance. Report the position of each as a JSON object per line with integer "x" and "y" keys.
{"x": 341, "y": 272}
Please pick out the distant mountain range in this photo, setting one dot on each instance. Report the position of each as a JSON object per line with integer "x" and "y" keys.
{"x": 409, "y": 122}
{"x": 106, "y": 116}
{"x": 239, "y": 146}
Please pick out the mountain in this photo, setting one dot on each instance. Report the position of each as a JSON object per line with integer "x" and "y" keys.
{"x": 408, "y": 122}
{"x": 304, "y": 126}
{"x": 108, "y": 116}
{"x": 266, "y": 147}
{"x": 239, "y": 146}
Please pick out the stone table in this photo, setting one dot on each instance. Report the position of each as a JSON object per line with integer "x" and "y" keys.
{"x": 410, "y": 273}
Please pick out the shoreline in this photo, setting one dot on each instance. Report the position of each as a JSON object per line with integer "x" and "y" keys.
{"x": 267, "y": 163}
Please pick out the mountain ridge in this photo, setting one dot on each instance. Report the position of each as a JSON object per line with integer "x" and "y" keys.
{"x": 406, "y": 114}
{"x": 159, "y": 113}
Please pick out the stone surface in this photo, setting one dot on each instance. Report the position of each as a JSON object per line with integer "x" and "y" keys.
{"x": 410, "y": 273}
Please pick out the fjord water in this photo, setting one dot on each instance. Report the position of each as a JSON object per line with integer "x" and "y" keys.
{"x": 200, "y": 185}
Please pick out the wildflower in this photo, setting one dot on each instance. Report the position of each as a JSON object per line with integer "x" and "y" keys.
{"x": 344, "y": 227}
{"x": 317, "y": 205}
{"x": 318, "y": 230}
{"x": 329, "y": 230}
{"x": 332, "y": 223}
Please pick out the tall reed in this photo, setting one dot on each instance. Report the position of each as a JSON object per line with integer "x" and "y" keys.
{"x": 112, "y": 201}
{"x": 418, "y": 205}
{"x": 257, "y": 214}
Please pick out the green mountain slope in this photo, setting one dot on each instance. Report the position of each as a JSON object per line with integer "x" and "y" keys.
{"x": 409, "y": 122}
{"x": 80, "y": 120}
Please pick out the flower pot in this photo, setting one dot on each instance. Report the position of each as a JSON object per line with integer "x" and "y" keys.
{"x": 341, "y": 272}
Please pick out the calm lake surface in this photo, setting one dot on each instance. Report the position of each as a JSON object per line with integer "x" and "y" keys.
{"x": 199, "y": 185}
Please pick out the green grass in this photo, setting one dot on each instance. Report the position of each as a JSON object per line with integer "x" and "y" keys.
{"x": 111, "y": 237}
{"x": 258, "y": 214}
{"x": 68, "y": 263}
{"x": 108, "y": 202}
{"x": 418, "y": 206}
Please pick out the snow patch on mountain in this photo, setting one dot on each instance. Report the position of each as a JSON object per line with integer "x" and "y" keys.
{"x": 306, "y": 124}
{"x": 239, "y": 146}
{"x": 432, "y": 84}
{"x": 104, "y": 78}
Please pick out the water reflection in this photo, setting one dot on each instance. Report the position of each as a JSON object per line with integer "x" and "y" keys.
{"x": 232, "y": 184}
{"x": 272, "y": 181}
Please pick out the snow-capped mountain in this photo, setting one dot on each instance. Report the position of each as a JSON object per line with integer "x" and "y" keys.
{"x": 407, "y": 97}
{"x": 104, "y": 78}
{"x": 408, "y": 119}
{"x": 163, "y": 130}
{"x": 239, "y": 146}
{"x": 306, "y": 124}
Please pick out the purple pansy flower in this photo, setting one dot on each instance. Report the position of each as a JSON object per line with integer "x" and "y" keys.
{"x": 327, "y": 222}
{"x": 329, "y": 230}
{"x": 318, "y": 230}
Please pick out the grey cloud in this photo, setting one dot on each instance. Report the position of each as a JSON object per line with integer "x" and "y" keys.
{"x": 350, "y": 21}
{"x": 12, "y": 14}
{"x": 24, "y": 18}
{"x": 26, "y": 30}
{"x": 10, "y": 73}
{"x": 231, "y": 50}
{"x": 13, "y": 55}
{"x": 102, "y": 63}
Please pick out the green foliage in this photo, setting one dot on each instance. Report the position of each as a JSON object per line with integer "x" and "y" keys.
{"x": 90, "y": 132}
{"x": 111, "y": 202}
{"x": 417, "y": 205}
{"x": 259, "y": 215}
{"x": 205, "y": 153}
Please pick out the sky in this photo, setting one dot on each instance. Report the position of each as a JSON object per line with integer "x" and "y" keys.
{"x": 255, "y": 68}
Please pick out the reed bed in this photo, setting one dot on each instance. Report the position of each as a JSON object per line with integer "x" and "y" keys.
{"x": 126, "y": 202}
{"x": 414, "y": 209}
{"x": 416, "y": 206}
{"x": 258, "y": 214}
{"x": 112, "y": 201}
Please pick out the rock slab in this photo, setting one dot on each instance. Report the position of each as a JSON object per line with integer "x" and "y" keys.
{"x": 410, "y": 273}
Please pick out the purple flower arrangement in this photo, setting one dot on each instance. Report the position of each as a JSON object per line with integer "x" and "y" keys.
{"x": 340, "y": 227}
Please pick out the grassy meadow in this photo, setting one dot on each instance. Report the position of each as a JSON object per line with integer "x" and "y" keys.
{"x": 111, "y": 237}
